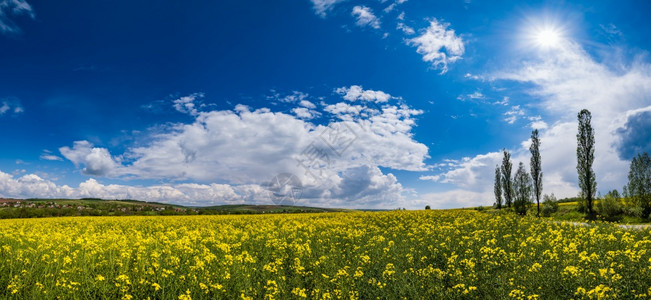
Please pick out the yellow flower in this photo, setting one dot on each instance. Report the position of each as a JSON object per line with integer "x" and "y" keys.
{"x": 299, "y": 292}
{"x": 185, "y": 296}
{"x": 156, "y": 286}
{"x": 535, "y": 267}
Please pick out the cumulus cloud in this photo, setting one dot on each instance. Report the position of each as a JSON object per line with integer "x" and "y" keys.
{"x": 365, "y": 17}
{"x": 322, "y": 7}
{"x": 247, "y": 147}
{"x": 438, "y": 45}
{"x": 635, "y": 134}
{"x": 33, "y": 186}
{"x": 356, "y": 92}
{"x": 305, "y": 113}
{"x": 9, "y": 8}
{"x": 470, "y": 173}
{"x": 360, "y": 187}
{"x": 307, "y": 104}
{"x": 95, "y": 161}
{"x": 344, "y": 109}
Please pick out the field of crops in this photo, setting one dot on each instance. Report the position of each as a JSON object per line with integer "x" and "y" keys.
{"x": 401, "y": 254}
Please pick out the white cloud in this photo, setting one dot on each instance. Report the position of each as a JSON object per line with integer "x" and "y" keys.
{"x": 344, "y": 109}
{"x": 438, "y": 45}
{"x": 434, "y": 178}
{"x": 477, "y": 95}
{"x": 186, "y": 104}
{"x": 538, "y": 123}
{"x": 470, "y": 173}
{"x": 4, "y": 108}
{"x": 566, "y": 81}
{"x": 307, "y": 104}
{"x": 356, "y": 92}
{"x": 504, "y": 101}
{"x": 294, "y": 97}
{"x": 246, "y": 147}
{"x": 569, "y": 79}
{"x": 47, "y": 155}
{"x": 365, "y": 17}
{"x": 13, "y": 8}
{"x": 95, "y": 161}
{"x": 11, "y": 106}
{"x": 453, "y": 199}
{"x": 360, "y": 187}
{"x": 321, "y": 7}
{"x": 305, "y": 113}
{"x": 405, "y": 29}
{"x": 513, "y": 114}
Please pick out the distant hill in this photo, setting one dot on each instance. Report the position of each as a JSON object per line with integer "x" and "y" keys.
{"x": 247, "y": 208}
{"x": 38, "y": 208}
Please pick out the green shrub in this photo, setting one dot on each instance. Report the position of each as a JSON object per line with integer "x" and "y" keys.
{"x": 609, "y": 208}
{"x": 549, "y": 205}
{"x": 634, "y": 211}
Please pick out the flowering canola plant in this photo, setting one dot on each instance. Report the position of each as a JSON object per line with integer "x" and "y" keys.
{"x": 454, "y": 254}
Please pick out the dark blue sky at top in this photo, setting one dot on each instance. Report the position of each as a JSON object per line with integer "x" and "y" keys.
{"x": 100, "y": 70}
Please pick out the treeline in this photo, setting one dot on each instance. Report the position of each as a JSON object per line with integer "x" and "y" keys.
{"x": 519, "y": 192}
{"x": 33, "y": 212}
{"x": 27, "y": 209}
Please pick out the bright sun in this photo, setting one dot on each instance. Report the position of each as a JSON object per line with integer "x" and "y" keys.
{"x": 548, "y": 38}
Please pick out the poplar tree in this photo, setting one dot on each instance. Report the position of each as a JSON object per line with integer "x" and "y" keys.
{"x": 639, "y": 183}
{"x": 498, "y": 187}
{"x": 536, "y": 168}
{"x": 584, "y": 160}
{"x": 522, "y": 190}
{"x": 507, "y": 186}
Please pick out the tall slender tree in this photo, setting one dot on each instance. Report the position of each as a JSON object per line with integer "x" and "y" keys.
{"x": 584, "y": 160}
{"x": 536, "y": 168}
{"x": 498, "y": 187}
{"x": 522, "y": 190}
{"x": 639, "y": 183}
{"x": 507, "y": 184}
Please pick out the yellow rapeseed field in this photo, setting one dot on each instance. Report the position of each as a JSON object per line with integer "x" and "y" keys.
{"x": 388, "y": 255}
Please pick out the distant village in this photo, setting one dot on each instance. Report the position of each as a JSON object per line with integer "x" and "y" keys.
{"x": 18, "y": 208}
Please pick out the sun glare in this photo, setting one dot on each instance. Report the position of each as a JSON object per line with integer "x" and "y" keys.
{"x": 548, "y": 38}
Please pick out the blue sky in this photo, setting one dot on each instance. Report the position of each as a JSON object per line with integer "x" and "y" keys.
{"x": 394, "y": 103}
